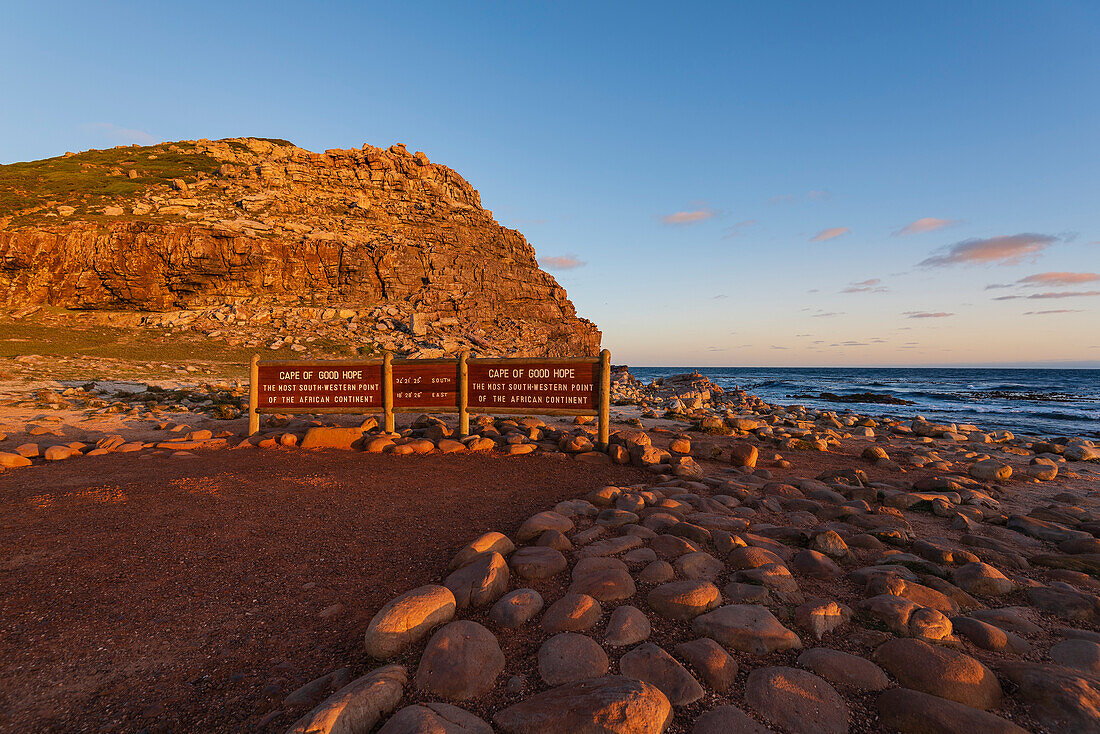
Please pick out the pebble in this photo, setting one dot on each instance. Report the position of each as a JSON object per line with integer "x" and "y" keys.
{"x": 538, "y": 562}
{"x": 842, "y": 669}
{"x": 604, "y": 579}
{"x": 728, "y": 720}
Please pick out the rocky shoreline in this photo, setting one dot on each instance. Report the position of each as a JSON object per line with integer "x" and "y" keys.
{"x": 783, "y": 569}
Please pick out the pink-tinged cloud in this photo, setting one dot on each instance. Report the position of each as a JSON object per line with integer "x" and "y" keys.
{"x": 1051, "y": 294}
{"x": 927, "y": 314}
{"x": 925, "y": 224}
{"x": 690, "y": 217}
{"x": 1052, "y": 311}
{"x": 561, "y": 262}
{"x": 1041, "y": 279}
{"x": 871, "y": 285}
{"x": 1004, "y": 250}
{"x": 829, "y": 234}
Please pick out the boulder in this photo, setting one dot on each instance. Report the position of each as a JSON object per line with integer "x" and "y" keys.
{"x": 609, "y": 705}
{"x": 649, "y": 663}
{"x": 684, "y": 599}
{"x": 568, "y": 657}
{"x": 628, "y": 625}
{"x": 913, "y": 712}
{"x": 408, "y": 619}
{"x": 461, "y": 662}
{"x": 331, "y": 437}
{"x": 480, "y": 582}
{"x": 940, "y": 671}
{"x": 716, "y": 666}
{"x": 435, "y": 718}
{"x": 797, "y": 701}
{"x": 358, "y": 706}
{"x": 516, "y": 608}
{"x": 746, "y": 627}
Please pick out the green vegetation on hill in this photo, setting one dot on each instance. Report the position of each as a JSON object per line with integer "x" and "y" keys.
{"x": 97, "y": 177}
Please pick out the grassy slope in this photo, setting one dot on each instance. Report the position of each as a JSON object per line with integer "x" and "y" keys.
{"x": 95, "y": 178}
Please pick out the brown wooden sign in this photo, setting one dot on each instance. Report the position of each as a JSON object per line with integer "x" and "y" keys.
{"x": 523, "y": 385}
{"x": 425, "y": 384}
{"x": 318, "y": 387}
{"x": 578, "y": 386}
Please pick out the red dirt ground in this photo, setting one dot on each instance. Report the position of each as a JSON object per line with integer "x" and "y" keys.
{"x": 164, "y": 594}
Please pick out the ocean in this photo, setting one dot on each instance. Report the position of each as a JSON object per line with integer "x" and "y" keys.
{"x": 1042, "y": 402}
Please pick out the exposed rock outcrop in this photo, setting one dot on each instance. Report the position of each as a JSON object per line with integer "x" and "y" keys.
{"x": 259, "y": 223}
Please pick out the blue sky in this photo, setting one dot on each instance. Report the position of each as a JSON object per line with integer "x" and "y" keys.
{"x": 736, "y": 179}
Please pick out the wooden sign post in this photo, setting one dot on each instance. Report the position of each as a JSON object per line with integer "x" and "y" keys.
{"x": 516, "y": 386}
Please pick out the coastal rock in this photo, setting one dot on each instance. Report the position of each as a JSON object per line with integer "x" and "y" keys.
{"x": 435, "y": 718}
{"x": 461, "y": 662}
{"x": 796, "y": 701}
{"x": 746, "y": 627}
{"x": 569, "y": 657}
{"x": 649, "y": 663}
{"x": 408, "y": 619}
{"x": 358, "y": 706}
{"x": 913, "y": 712}
{"x": 940, "y": 671}
{"x": 609, "y": 705}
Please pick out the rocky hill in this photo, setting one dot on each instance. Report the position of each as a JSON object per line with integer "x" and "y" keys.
{"x": 260, "y": 238}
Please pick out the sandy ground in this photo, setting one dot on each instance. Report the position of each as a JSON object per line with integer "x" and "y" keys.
{"x": 165, "y": 594}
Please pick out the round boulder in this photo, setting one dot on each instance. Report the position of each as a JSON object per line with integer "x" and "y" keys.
{"x": 461, "y": 662}
{"x": 797, "y": 701}
{"x": 568, "y": 657}
{"x": 408, "y": 619}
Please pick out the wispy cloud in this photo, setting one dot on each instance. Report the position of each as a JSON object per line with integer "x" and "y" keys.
{"x": 1041, "y": 279}
{"x": 1052, "y": 311}
{"x": 122, "y": 135}
{"x": 818, "y": 195}
{"x": 924, "y": 224}
{"x": 927, "y": 314}
{"x": 778, "y": 347}
{"x": 829, "y": 234}
{"x": 720, "y": 295}
{"x": 1004, "y": 250}
{"x": 1050, "y": 294}
{"x": 736, "y": 229}
{"x": 826, "y": 314}
{"x": 871, "y": 285}
{"x": 690, "y": 217}
{"x": 561, "y": 262}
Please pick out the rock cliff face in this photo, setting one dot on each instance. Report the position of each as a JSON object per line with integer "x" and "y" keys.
{"x": 258, "y": 224}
